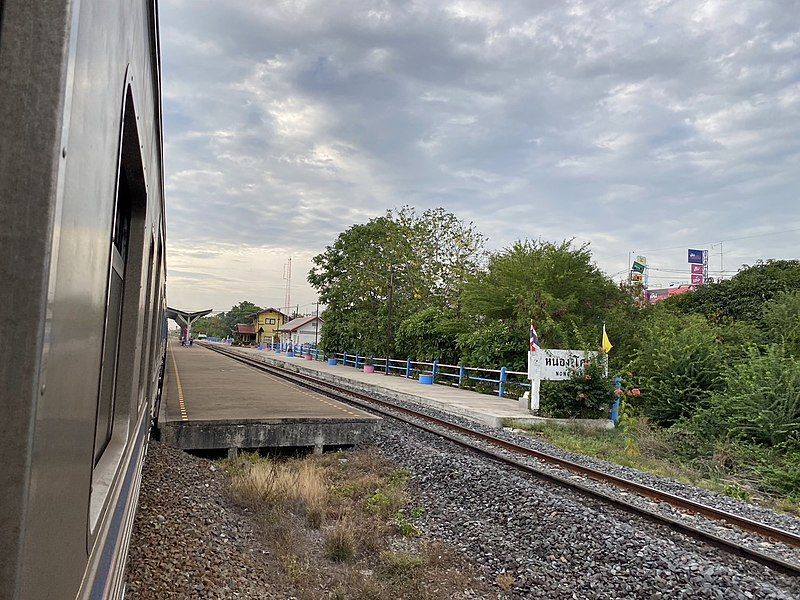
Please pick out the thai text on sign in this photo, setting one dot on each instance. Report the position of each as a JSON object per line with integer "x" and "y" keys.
{"x": 557, "y": 365}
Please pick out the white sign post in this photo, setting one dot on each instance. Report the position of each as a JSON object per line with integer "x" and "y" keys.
{"x": 554, "y": 365}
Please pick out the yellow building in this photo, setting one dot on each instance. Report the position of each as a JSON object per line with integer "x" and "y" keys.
{"x": 266, "y": 324}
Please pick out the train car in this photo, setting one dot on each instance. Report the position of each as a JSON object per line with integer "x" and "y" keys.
{"x": 82, "y": 271}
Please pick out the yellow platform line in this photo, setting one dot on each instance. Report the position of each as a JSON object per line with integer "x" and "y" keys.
{"x": 181, "y": 403}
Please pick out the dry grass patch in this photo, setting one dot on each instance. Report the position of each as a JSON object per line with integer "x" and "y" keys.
{"x": 340, "y": 541}
{"x": 343, "y": 525}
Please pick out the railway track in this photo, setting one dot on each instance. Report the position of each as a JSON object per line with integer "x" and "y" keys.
{"x": 510, "y": 454}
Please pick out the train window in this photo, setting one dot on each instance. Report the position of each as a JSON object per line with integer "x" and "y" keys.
{"x": 118, "y": 371}
{"x": 120, "y": 241}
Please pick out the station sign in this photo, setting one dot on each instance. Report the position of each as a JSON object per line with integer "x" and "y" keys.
{"x": 557, "y": 365}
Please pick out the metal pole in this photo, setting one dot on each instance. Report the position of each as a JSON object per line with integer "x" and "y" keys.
{"x": 389, "y": 321}
{"x": 316, "y": 327}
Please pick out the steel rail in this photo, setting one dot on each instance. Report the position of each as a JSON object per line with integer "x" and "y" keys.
{"x": 369, "y": 402}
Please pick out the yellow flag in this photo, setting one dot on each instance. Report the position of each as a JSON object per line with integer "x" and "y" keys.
{"x": 606, "y": 342}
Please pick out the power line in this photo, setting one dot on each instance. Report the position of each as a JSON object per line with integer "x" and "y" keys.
{"x": 713, "y": 243}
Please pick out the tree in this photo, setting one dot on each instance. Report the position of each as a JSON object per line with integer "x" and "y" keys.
{"x": 743, "y": 296}
{"x": 420, "y": 260}
{"x": 213, "y": 326}
{"x": 555, "y": 285}
{"x": 240, "y": 313}
{"x": 431, "y": 333}
{"x": 352, "y": 279}
{"x": 451, "y": 250}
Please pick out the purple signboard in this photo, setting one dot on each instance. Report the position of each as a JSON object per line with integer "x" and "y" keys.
{"x": 698, "y": 269}
{"x": 697, "y": 279}
{"x": 696, "y": 257}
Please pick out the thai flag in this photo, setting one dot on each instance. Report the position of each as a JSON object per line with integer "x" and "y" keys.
{"x": 534, "y": 339}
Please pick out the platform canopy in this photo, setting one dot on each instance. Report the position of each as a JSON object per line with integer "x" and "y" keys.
{"x": 184, "y": 318}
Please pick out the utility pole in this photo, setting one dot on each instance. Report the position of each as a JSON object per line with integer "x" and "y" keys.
{"x": 287, "y": 276}
{"x": 629, "y": 270}
{"x": 389, "y": 320}
{"x": 316, "y": 327}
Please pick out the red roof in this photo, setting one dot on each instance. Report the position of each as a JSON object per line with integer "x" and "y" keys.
{"x": 245, "y": 329}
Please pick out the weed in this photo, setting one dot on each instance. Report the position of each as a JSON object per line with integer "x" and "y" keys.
{"x": 340, "y": 542}
{"x": 292, "y": 566}
{"x": 404, "y": 526}
{"x": 505, "y": 581}
{"x": 734, "y": 490}
{"x": 387, "y": 501}
{"x": 400, "y": 567}
{"x": 399, "y": 477}
{"x": 417, "y": 512}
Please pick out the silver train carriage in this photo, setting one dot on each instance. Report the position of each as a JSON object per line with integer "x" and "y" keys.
{"x": 82, "y": 272}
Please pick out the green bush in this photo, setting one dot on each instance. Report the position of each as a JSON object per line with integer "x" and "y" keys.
{"x": 782, "y": 321}
{"x": 680, "y": 363}
{"x": 429, "y": 334}
{"x": 587, "y": 394}
{"x": 760, "y": 404}
{"x": 495, "y": 344}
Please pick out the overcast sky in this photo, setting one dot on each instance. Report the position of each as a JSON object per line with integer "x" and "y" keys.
{"x": 639, "y": 126}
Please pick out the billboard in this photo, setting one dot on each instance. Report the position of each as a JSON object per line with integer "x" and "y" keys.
{"x": 698, "y": 269}
{"x": 697, "y": 279}
{"x": 696, "y": 257}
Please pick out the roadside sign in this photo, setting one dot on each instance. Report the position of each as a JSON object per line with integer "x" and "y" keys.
{"x": 696, "y": 257}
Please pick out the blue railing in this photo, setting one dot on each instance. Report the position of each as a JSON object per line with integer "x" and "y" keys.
{"x": 498, "y": 380}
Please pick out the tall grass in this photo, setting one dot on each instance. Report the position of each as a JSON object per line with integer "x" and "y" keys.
{"x": 284, "y": 485}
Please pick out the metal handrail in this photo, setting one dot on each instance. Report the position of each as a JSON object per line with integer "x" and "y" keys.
{"x": 408, "y": 368}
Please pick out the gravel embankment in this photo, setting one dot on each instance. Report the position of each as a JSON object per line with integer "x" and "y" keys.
{"x": 738, "y": 507}
{"x": 556, "y": 543}
{"x": 718, "y": 528}
{"x": 762, "y": 514}
{"x": 189, "y": 540}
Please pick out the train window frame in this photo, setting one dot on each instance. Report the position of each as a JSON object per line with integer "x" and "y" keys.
{"x": 144, "y": 362}
{"x": 130, "y": 181}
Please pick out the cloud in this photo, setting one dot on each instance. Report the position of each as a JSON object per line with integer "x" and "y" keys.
{"x": 628, "y": 124}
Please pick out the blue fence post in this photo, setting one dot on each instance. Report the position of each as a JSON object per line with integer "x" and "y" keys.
{"x": 356, "y": 360}
{"x": 502, "y": 387}
{"x": 615, "y": 406}
{"x": 408, "y": 367}
{"x": 344, "y": 358}
{"x": 460, "y": 375}
{"x": 435, "y": 368}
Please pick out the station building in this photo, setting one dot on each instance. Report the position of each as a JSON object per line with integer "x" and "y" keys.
{"x": 266, "y": 324}
{"x": 303, "y": 330}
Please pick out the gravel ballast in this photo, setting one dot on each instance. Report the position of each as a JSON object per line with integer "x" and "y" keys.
{"x": 189, "y": 540}
{"x": 556, "y": 543}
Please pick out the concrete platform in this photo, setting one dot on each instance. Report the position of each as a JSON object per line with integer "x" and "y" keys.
{"x": 212, "y": 402}
{"x": 482, "y": 408}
